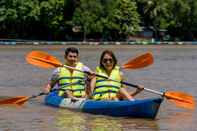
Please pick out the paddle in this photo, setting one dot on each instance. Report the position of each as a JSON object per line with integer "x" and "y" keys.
{"x": 11, "y": 100}
{"x": 44, "y": 60}
{"x": 20, "y": 100}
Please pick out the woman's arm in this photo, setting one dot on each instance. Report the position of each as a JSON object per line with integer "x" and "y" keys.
{"x": 125, "y": 94}
{"x": 137, "y": 91}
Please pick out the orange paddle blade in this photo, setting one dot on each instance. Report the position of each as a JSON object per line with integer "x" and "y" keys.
{"x": 12, "y": 100}
{"x": 22, "y": 101}
{"x": 181, "y": 99}
{"x": 139, "y": 62}
{"x": 42, "y": 59}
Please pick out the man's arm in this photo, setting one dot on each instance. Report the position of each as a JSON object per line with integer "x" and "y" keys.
{"x": 52, "y": 81}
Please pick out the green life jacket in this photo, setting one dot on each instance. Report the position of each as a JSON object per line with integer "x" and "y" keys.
{"x": 66, "y": 77}
{"x": 107, "y": 89}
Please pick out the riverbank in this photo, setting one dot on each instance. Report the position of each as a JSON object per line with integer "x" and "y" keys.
{"x": 30, "y": 42}
{"x": 84, "y": 46}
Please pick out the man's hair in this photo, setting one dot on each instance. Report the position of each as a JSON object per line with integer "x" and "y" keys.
{"x": 71, "y": 49}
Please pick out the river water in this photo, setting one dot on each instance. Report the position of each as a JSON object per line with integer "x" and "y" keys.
{"x": 174, "y": 68}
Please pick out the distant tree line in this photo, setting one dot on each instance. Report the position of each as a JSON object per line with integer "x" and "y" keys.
{"x": 76, "y": 20}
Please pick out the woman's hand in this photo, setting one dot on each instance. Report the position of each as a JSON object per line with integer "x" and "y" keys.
{"x": 140, "y": 88}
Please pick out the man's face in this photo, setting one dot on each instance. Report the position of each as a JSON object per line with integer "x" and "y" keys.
{"x": 71, "y": 58}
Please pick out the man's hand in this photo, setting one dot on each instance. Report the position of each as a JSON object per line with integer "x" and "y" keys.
{"x": 47, "y": 88}
{"x": 91, "y": 75}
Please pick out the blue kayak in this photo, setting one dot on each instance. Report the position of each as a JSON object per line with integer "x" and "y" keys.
{"x": 142, "y": 108}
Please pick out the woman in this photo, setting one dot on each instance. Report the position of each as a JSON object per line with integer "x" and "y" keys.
{"x": 105, "y": 89}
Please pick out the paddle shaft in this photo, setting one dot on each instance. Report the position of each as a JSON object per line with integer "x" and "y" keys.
{"x": 43, "y": 93}
{"x": 34, "y": 96}
{"x": 132, "y": 85}
{"x": 136, "y": 86}
{"x": 122, "y": 82}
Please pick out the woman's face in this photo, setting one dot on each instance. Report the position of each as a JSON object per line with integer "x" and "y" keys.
{"x": 108, "y": 62}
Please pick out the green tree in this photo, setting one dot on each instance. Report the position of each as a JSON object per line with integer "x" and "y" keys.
{"x": 110, "y": 17}
{"x": 88, "y": 17}
{"x": 184, "y": 14}
{"x": 17, "y": 15}
{"x": 52, "y": 16}
{"x": 122, "y": 17}
{"x": 156, "y": 13}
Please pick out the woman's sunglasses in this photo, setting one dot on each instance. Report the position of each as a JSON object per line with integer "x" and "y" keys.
{"x": 106, "y": 60}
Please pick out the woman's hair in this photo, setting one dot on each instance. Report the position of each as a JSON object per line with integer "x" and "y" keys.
{"x": 109, "y": 52}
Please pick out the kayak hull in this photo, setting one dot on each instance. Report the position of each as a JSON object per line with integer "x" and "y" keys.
{"x": 142, "y": 108}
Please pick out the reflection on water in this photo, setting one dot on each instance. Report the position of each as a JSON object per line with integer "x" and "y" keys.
{"x": 174, "y": 68}
{"x": 104, "y": 124}
{"x": 68, "y": 120}
{"x": 76, "y": 121}
{"x": 138, "y": 124}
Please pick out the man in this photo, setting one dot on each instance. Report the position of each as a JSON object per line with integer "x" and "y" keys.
{"x": 72, "y": 82}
